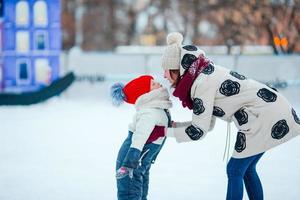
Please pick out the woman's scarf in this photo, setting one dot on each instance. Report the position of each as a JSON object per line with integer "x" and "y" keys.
{"x": 184, "y": 85}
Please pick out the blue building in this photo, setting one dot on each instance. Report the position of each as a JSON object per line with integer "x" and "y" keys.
{"x": 31, "y": 44}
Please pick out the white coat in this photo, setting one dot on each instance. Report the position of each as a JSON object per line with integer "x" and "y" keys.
{"x": 264, "y": 118}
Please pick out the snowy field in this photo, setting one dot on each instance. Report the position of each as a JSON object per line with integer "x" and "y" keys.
{"x": 65, "y": 149}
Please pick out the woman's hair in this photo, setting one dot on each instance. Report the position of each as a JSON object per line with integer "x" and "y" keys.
{"x": 175, "y": 75}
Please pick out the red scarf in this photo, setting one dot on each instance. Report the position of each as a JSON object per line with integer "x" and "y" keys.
{"x": 184, "y": 85}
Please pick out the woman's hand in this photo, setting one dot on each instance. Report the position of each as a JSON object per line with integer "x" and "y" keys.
{"x": 173, "y": 124}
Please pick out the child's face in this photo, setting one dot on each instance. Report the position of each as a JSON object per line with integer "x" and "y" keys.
{"x": 154, "y": 85}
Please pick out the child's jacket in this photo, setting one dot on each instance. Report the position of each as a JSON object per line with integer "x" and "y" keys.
{"x": 149, "y": 123}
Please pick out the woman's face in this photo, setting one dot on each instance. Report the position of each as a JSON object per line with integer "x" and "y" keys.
{"x": 167, "y": 75}
{"x": 154, "y": 85}
{"x": 171, "y": 78}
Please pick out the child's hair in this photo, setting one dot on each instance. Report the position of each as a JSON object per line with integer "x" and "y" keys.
{"x": 117, "y": 94}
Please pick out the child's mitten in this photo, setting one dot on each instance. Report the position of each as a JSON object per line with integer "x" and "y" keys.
{"x": 123, "y": 172}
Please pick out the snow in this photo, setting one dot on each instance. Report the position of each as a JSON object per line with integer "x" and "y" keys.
{"x": 66, "y": 148}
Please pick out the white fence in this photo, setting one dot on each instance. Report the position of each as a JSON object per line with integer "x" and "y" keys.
{"x": 95, "y": 67}
{"x": 259, "y": 67}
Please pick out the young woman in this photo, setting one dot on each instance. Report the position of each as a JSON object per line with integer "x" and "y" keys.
{"x": 263, "y": 117}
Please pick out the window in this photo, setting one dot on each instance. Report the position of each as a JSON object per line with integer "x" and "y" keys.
{"x": 0, "y": 39}
{"x": 1, "y": 8}
{"x": 22, "y": 41}
{"x": 1, "y": 75}
{"x": 40, "y": 13}
{"x": 22, "y": 13}
{"x": 41, "y": 40}
{"x": 42, "y": 71}
{"x": 23, "y": 75}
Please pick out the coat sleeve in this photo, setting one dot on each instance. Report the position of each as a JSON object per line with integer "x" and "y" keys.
{"x": 202, "y": 119}
{"x": 187, "y": 123}
{"x": 182, "y": 124}
{"x": 144, "y": 127}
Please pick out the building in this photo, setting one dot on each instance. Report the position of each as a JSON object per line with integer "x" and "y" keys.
{"x": 31, "y": 44}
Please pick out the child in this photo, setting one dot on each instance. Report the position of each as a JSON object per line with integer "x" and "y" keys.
{"x": 146, "y": 134}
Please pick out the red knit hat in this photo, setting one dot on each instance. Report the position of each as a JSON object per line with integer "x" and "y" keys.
{"x": 137, "y": 87}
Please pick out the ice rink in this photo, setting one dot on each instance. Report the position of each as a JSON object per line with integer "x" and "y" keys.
{"x": 65, "y": 149}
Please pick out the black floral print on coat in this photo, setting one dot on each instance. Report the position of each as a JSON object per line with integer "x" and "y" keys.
{"x": 296, "y": 118}
{"x": 218, "y": 112}
{"x": 187, "y": 60}
{"x": 240, "y": 144}
{"x": 194, "y": 133}
{"x": 237, "y": 75}
{"x": 280, "y": 129}
{"x": 198, "y": 107}
{"x": 266, "y": 95}
{"x": 241, "y": 116}
{"x": 209, "y": 69}
{"x": 229, "y": 88}
{"x": 190, "y": 48}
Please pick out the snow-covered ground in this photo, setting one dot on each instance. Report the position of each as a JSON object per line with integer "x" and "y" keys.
{"x": 65, "y": 149}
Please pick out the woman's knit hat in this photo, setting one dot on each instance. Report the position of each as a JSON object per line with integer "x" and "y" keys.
{"x": 171, "y": 55}
{"x": 131, "y": 91}
{"x": 179, "y": 57}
